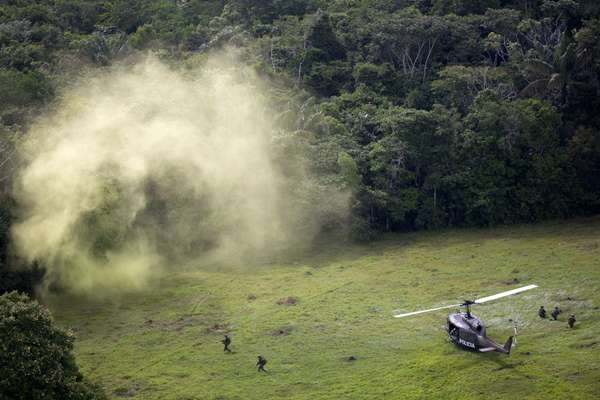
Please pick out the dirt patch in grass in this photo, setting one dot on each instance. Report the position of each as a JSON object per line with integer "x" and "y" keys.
{"x": 590, "y": 246}
{"x": 287, "y": 301}
{"x": 125, "y": 392}
{"x": 186, "y": 321}
{"x": 218, "y": 328}
{"x": 585, "y": 345}
{"x": 283, "y": 331}
{"x": 173, "y": 325}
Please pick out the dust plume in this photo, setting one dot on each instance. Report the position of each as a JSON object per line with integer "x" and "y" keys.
{"x": 143, "y": 167}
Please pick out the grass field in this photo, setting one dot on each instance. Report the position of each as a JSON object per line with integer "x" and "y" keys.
{"x": 164, "y": 344}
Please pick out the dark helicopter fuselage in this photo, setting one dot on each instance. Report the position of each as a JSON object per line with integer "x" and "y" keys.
{"x": 468, "y": 331}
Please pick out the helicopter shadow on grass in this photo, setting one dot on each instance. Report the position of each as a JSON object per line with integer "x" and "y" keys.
{"x": 503, "y": 362}
{"x": 500, "y": 360}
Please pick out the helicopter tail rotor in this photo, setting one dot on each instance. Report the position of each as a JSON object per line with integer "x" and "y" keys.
{"x": 508, "y": 345}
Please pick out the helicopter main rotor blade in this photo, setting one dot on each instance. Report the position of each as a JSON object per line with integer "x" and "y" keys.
{"x": 424, "y": 311}
{"x": 504, "y": 294}
{"x": 478, "y": 301}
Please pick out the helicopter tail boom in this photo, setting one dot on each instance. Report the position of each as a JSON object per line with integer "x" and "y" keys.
{"x": 496, "y": 347}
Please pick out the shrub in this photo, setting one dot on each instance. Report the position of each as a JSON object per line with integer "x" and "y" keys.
{"x": 36, "y": 360}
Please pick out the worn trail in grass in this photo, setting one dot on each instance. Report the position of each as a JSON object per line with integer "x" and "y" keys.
{"x": 164, "y": 343}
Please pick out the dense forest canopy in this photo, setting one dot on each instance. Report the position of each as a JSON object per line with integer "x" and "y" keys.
{"x": 433, "y": 113}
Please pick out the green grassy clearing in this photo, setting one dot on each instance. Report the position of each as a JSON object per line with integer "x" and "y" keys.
{"x": 346, "y": 297}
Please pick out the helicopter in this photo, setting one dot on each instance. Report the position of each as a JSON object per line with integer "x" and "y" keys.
{"x": 468, "y": 331}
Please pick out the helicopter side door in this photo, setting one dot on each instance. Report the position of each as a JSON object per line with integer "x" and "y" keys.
{"x": 467, "y": 339}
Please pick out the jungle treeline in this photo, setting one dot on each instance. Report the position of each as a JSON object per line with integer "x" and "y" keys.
{"x": 432, "y": 113}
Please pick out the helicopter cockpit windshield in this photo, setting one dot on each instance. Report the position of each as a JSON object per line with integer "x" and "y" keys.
{"x": 453, "y": 330}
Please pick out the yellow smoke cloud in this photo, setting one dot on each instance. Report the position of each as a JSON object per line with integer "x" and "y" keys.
{"x": 143, "y": 166}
